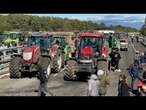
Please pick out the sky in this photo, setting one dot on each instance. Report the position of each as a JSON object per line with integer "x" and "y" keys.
{"x": 132, "y": 20}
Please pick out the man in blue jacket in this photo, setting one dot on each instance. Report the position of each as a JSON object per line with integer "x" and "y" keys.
{"x": 137, "y": 57}
{"x": 134, "y": 71}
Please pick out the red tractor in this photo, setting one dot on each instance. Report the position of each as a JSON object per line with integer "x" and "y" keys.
{"x": 90, "y": 55}
{"x": 40, "y": 51}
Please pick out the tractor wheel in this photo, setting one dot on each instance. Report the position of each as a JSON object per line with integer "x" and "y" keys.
{"x": 44, "y": 62}
{"x": 15, "y": 65}
{"x": 57, "y": 64}
{"x": 69, "y": 74}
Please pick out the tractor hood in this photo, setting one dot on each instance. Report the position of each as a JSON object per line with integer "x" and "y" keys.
{"x": 30, "y": 49}
{"x": 88, "y": 50}
{"x": 31, "y": 54}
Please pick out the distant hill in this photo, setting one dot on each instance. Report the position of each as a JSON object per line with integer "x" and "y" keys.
{"x": 136, "y": 25}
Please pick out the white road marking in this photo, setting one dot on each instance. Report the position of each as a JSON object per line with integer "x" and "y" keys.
{"x": 133, "y": 46}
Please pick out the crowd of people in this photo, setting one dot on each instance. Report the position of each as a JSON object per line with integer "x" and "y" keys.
{"x": 137, "y": 72}
{"x": 97, "y": 84}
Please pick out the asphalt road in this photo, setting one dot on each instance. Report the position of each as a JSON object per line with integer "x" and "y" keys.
{"x": 59, "y": 87}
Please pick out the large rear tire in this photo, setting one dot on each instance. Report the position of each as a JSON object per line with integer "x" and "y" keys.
{"x": 15, "y": 65}
{"x": 57, "y": 64}
{"x": 70, "y": 70}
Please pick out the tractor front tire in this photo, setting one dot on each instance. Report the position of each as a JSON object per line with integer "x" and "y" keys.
{"x": 15, "y": 65}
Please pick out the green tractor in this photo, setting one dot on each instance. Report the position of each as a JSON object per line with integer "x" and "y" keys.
{"x": 60, "y": 61}
{"x": 13, "y": 38}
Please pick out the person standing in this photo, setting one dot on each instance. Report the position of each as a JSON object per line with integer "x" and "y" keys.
{"x": 132, "y": 39}
{"x": 115, "y": 58}
{"x": 134, "y": 71}
{"x": 137, "y": 38}
{"x": 137, "y": 57}
{"x": 43, "y": 79}
{"x": 104, "y": 82}
{"x": 123, "y": 88}
{"x": 93, "y": 86}
{"x": 110, "y": 41}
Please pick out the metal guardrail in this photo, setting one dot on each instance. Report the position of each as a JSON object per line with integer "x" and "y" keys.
{"x": 6, "y": 55}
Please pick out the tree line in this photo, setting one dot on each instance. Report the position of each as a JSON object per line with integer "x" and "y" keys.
{"x": 21, "y": 22}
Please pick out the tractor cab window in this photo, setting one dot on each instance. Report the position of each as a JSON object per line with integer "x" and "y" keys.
{"x": 90, "y": 41}
{"x": 120, "y": 35}
{"x": 108, "y": 35}
{"x": 33, "y": 40}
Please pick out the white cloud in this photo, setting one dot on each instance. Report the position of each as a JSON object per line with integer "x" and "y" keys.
{"x": 125, "y": 17}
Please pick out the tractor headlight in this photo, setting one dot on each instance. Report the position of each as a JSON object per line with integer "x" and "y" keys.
{"x": 27, "y": 56}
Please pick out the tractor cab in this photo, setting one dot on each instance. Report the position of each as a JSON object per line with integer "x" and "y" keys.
{"x": 90, "y": 44}
{"x": 17, "y": 36}
{"x": 60, "y": 40}
{"x": 14, "y": 38}
{"x": 43, "y": 40}
{"x": 121, "y": 34}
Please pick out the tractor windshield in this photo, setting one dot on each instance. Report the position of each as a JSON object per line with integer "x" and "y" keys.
{"x": 90, "y": 41}
{"x": 2, "y": 36}
{"x": 41, "y": 41}
{"x": 60, "y": 40}
{"x": 16, "y": 37}
{"x": 34, "y": 40}
{"x": 120, "y": 35}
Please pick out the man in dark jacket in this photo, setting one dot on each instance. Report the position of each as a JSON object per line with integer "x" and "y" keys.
{"x": 110, "y": 41}
{"x": 137, "y": 38}
{"x": 123, "y": 88}
{"x": 115, "y": 58}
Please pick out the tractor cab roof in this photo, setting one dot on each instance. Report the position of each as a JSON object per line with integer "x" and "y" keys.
{"x": 106, "y": 31}
{"x": 38, "y": 34}
{"x": 99, "y": 35}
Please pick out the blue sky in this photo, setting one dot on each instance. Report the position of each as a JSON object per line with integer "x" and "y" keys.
{"x": 136, "y": 17}
{"x": 133, "y": 20}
